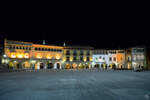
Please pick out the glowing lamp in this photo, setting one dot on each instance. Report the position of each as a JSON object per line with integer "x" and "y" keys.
{"x": 57, "y": 57}
{"x": 26, "y": 55}
{"x": 13, "y": 55}
{"x": 20, "y": 55}
{"x": 39, "y": 56}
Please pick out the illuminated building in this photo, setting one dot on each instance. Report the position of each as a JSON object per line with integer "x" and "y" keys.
{"x": 138, "y": 57}
{"x": 77, "y": 57}
{"x": 108, "y": 58}
{"x": 120, "y": 58}
{"x": 100, "y": 59}
{"x": 26, "y": 55}
{"x": 128, "y": 58}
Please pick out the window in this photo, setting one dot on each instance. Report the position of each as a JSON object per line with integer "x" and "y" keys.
{"x": 54, "y": 50}
{"x": 68, "y": 58}
{"x": 114, "y": 58}
{"x": 96, "y": 59}
{"x": 10, "y": 47}
{"x": 88, "y": 59}
{"x": 17, "y": 47}
{"x": 68, "y": 52}
{"x": 74, "y": 52}
{"x": 129, "y": 58}
{"x": 46, "y": 49}
{"x": 100, "y": 57}
{"x": 81, "y": 52}
{"x": 36, "y": 48}
{"x": 14, "y": 47}
{"x": 81, "y": 58}
{"x": 74, "y": 58}
{"x": 134, "y": 57}
{"x": 110, "y": 59}
{"x": 103, "y": 58}
{"x": 88, "y": 53}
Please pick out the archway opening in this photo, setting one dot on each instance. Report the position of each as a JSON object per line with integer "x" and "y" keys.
{"x": 96, "y": 66}
{"x": 41, "y": 65}
{"x": 26, "y": 65}
{"x": 68, "y": 66}
{"x": 74, "y": 66}
{"x": 50, "y": 66}
{"x": 58, "y": 65}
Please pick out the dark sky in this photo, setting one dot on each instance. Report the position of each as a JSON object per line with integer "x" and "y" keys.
{"x": 108, "y": 27}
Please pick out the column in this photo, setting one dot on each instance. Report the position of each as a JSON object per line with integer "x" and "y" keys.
{"x": 55, "y": 66}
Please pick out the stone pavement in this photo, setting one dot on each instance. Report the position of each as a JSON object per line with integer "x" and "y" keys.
{"x": 75, "y": 85}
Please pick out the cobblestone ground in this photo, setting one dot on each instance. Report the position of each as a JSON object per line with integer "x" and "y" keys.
{"x": 75, "y": 85}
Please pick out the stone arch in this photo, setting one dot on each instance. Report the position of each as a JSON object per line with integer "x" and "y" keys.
{"x": 58, "y": 65}
{"x": 39, "y": 65}
{"x": 68, "y": 66}
{"x": 26, "y": 65}
{"x": 14, "y": 65}
{"x": 50, "y": 65}
{"x": 96, "y": 66}
{"x": 74, "y": 66}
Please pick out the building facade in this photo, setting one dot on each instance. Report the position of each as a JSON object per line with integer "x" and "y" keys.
{"x": 26, "y": 55}
{"x": 107, "y": 59}
{"x": 77, "y": 57}
{"x": 100, "y": 59}
{"x": 138, "y": 57}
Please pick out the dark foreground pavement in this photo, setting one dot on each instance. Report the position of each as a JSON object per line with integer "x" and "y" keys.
{"x": 75, "y": 85}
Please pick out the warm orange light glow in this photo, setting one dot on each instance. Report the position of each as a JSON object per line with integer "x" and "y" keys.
{"x": 19, "y": 55}
{"x": 119, "y": 57}
{"x": 84, "y": 59}
{"x": 38, "y": 56}
{"x": 13, "y": 55}
{"x": 26, "y": 55}
{"x": 48, "y": 56}
{"x": 57, "y": 57}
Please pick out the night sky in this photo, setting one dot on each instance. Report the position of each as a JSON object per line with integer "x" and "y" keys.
{"x": 100, "y": 28}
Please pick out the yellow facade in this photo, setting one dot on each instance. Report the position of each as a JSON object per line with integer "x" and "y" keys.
{"x": 28, "y": 53}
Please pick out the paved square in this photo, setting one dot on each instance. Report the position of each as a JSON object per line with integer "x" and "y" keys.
{"x": 75, "y": 85}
